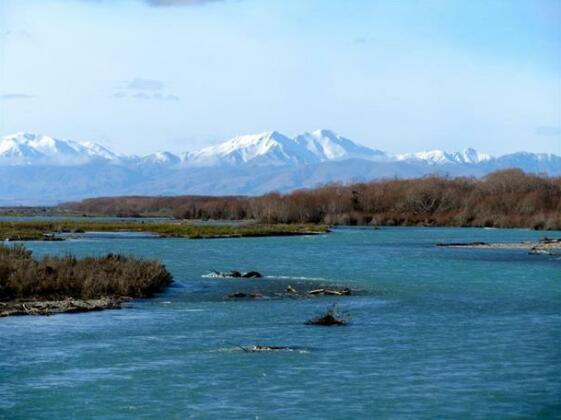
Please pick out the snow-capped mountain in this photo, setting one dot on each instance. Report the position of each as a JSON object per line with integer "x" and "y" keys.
{"x": 36, "y": 149}
{"x": 271, "y": 148}
{"x": 264, "y": 149}
{"x": 160, "y": 158}
{"x": 274, "y": 148}
{"x": 38, "y": 169}
{"x": 440, "y": 157}
{"x": 326, "y": 145}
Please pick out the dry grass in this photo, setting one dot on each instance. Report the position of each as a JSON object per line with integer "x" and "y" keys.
{"x": 53, "y": 278}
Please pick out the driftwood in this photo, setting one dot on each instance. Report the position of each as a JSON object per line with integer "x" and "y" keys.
{"x": 330, "y": 292}
{"x": 293, "y": 293}
{"x": 51, "y": 307}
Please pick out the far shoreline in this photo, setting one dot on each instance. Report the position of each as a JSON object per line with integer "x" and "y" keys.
{"x": 57, "y": 230}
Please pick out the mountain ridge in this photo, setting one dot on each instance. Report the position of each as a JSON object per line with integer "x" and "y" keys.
{"x": 262, "y": 149}
{"x": 44, "y": 170}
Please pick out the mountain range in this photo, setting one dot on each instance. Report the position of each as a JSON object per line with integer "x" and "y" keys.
{"x": 39, "y": 169}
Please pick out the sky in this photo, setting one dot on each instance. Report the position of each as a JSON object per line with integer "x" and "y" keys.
{"x": 140, "y": 76}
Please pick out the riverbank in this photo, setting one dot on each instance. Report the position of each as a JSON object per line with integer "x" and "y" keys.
{"x": 543, "y": 246}
{"x": 52, "y": 307}
{"x": 50, "y": 230}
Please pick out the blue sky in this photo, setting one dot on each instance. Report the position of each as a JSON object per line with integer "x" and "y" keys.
{"x": 147, "y": 75}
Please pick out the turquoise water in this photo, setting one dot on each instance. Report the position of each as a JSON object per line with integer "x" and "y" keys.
{"x": 435, "y": 332}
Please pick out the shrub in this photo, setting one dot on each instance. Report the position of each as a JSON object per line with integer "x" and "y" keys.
{"x": 54, "y": 278}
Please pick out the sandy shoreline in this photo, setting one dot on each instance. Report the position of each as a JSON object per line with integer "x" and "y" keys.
{"x": 545, "y": 245}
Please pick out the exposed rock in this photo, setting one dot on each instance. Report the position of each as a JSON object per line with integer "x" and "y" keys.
{"x": 234, "y": 274}
{"x": 258, "y": 348}
{"x": 291, "y": 290}
{"x": 331, "y": 317}
{"x": 252, "y": 275}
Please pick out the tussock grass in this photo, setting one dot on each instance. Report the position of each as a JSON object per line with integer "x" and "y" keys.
{"x": 23, "y": 277}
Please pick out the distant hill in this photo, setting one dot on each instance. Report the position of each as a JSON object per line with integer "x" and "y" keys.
{"x": 39, "y": 169}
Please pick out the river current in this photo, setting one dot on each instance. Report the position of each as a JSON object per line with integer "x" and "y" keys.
{"x": 434, "y": 333}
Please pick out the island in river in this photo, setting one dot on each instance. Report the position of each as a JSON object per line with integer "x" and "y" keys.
{"x": 51, "y": 229}
{"x": 30, "y": 286}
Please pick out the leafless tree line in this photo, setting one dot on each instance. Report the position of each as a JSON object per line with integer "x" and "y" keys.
{"x": 508, "y": 198}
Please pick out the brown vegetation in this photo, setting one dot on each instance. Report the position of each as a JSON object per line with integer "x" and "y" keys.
{"x": 57, "y": 278}
{"x": 508, "y": 198}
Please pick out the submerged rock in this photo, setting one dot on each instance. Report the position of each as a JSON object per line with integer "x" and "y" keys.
{"x": 243, "y": 295}
{"x": 461, "y": 244}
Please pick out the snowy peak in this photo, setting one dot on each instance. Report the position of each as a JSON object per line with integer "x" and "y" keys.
{"x": 440, "y": 157}
{"x": 327, "y": 145}
{"x": 274, "y": 148}
{"x": 472, "y": 156}
{"x": 161, "y": 158}
{"x": 269, "y": 148}
{"x": 30, "y": 148}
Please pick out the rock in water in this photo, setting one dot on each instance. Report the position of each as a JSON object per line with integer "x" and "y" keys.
{"x": 258, "y": 348}
{"x": 331, "y": 317}
{"x": 234, "y": 274}
{"x": 252, "y": 275}
{"x": 243, "y": 295}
